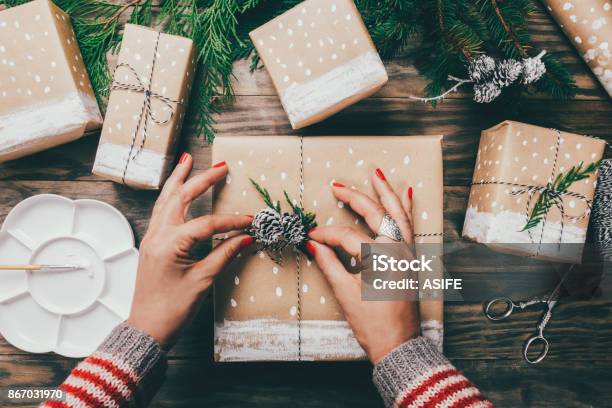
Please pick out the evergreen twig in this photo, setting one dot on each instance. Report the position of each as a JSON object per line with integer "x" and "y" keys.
{"x": 552, "y": 195}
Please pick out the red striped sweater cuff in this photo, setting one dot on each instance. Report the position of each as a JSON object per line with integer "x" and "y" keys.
{"x": 416, "y": 374}
{"x": 128, "y": 367}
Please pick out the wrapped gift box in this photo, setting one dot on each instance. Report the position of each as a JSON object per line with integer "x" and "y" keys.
{"x": 514, "y": 160}
{"x": 256, "y": 300}
{"x": 588, "y": 25}
{"x": 321, "y": 59}
{"x": 146, "y": 107}
{"x": 45, "y": 95}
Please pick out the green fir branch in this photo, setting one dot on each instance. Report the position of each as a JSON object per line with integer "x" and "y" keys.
{"x": 265, "y": 194}
{"x": 552, "y": 196}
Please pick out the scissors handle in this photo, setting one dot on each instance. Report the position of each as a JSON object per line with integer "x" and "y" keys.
{"x": 539, "y": 338}
{"x": 508, "y": 304}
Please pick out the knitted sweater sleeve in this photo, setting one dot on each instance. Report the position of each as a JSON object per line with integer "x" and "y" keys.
{"x": 416, "y": 374}
{"x": 126, "y": 370}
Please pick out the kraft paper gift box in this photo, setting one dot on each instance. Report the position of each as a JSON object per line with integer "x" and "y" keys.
{"x": 45, "y": 95}
{"x": 146, "y": 107}
{"x": 257, "y": 310}
{"x": 588, "y": 25}
{"x": 514, "y": 160}
{"x": 321, "y": 59}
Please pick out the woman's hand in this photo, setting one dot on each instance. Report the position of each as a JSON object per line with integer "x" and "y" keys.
{"x": 379, "y": 327}
{"x": 170, "y": 280}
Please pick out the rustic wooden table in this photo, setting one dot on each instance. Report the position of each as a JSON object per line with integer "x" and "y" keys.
{"x": 578, "y": 371}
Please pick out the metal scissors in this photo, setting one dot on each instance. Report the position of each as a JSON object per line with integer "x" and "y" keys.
{"x": 550, "y": 301}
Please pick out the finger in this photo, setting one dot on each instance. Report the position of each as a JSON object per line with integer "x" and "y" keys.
{"x": 371, "y": 211}
{"x": 204, "y": 227}
{"x": 178, "y": 176}
{"x": 347, "y": 238}
{"x": 209, "y": 267}
{"x": 407, "y": 205}
{"x": 341, "y": 282}
{"x": 199, "y": 184}
{"x": 392, "y": 204}
{"x": 183, "y": 196}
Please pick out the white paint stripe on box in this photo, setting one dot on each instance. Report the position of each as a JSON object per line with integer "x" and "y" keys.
{"x": 149, "y": 168}
{"x": 22, "y": 127}
{"x": 302, "y": 101}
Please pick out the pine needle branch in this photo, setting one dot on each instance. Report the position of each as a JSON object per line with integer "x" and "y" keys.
{"x": 552, "y": 195}
{"x": 265, "y": 194}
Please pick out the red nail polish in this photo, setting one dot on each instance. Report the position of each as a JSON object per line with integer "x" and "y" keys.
{"x": 338, "y": 184}
{"x": 184, "y": 157}
{"x": 220, "y": 164}
{"x": 380, "y": 174}
{"x": 312, "y": 230}
{"x": 251, "y": 216}
{"x": 246, "y": 242}
{"x": 311, "y": 248}
{"x": 410, "y": 193}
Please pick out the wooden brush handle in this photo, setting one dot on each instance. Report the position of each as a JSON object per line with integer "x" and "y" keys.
{"x": 19, "y": 267}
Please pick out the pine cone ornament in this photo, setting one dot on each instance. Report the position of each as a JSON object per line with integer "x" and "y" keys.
{"x": 293, "y": 229}
{"x": 486, "y": 92}
{"x": 506, "y": 72}
{"x": 533, "y": 69}
{"x": 267, "y": 228}
{"x": 481, "y": 68}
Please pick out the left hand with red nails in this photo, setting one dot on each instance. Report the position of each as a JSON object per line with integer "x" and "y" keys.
{"x": 170, "y": 280}
{"x": 379, "y": 327}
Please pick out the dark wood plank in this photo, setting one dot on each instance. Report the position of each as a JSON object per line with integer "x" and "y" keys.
{"x": 461, "y": 122}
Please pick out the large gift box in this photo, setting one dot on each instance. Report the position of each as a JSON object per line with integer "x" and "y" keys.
{"x": 515, "y": 165}
{"x": 588, "y": 25}
{"x": 45, "y": 95}
{"x": 270, "y": 311}
{"x": 321, "y": 59}
{"x": 151, "y": 86}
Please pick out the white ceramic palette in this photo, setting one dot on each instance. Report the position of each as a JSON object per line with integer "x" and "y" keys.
{"x": 68, "y": 312}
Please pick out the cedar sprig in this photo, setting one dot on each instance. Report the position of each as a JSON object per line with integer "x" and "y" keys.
{"x": 265, "y": 194}
{"x": 552, "y": 195}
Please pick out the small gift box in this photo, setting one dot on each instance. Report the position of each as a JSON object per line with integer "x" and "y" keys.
{"x": 146, "y": 107}
{"x": 588, "y": 25}
{"x": 270, "y": 311}
{"x": 533, "y": 187}
{"x": 45, "y": 95}
{"x": 321, "y": 59}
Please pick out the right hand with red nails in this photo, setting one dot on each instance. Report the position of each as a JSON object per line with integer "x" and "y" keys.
{"x": 170, "y": 281}
{"x": 379, "y": 326}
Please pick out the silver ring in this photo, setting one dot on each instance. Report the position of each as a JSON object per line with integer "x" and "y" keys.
{"x": 388, "y": 228}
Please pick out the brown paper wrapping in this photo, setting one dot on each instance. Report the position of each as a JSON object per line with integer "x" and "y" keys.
{"x": 514, "y": 152}
{"x": 165, "y": 67}
{"x": 256, "y": 299}
{"x": 46, "y": 98}
{"x": 321, "y": 59}
{"x": 588, "y": 25}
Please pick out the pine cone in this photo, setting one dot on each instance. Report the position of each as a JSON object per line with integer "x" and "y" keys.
{"x": 533, "y": 69}
{"x": 506, "y": 72}
{"x": 293, "y": 229}
{"x": 267, "y": 228}
{"x": 486, "y": 92}
{"x": 481, "y": 68}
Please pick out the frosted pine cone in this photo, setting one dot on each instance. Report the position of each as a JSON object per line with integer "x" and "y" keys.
{"x": 481, "y": 68}
{"x": 486, "y": 92}
{"x": 506, "y": 72}
{"x": 533, "y": 69}
{"x": 293, "y": 229}
{"x": 267, "y": 228}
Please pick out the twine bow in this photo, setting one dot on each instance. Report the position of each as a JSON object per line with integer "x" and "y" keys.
{"x": 146, "y": 113}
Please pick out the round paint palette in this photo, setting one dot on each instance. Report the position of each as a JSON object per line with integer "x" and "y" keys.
{"x": 67, "y": 312}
